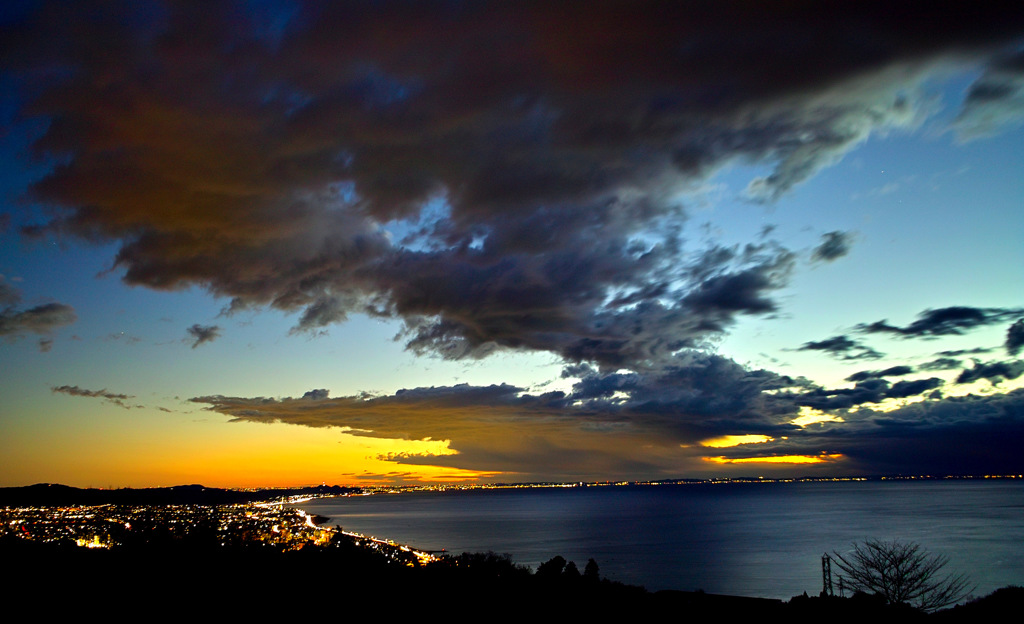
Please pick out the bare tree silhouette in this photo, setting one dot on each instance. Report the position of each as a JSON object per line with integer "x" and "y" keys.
{"x": 902, "y": 572}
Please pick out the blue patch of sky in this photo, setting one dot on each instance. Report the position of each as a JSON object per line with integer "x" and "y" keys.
{"x": 415, "y": 232}
{"x": 935, "y": 223}
{"x": 344, "y": 190}
{"x": 269, "y": 20}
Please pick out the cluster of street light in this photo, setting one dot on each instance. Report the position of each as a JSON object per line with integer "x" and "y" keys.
{"x": 108, "y": 526}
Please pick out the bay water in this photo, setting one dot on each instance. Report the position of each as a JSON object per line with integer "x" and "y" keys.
{"x": 750, "y": 539}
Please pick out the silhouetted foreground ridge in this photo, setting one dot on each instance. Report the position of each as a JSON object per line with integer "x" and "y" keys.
{"x": 188, "y": 576}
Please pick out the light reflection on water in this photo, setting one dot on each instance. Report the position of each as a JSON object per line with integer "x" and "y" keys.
{"x": 745, "y": 539}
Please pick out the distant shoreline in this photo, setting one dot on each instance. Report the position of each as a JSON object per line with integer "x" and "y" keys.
{"x": 56, "y": 493}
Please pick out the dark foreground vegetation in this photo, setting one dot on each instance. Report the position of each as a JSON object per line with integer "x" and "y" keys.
{"x": 191, "y": 577}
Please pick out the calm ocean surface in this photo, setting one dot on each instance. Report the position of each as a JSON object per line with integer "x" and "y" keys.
{"x": 744, "y": 539}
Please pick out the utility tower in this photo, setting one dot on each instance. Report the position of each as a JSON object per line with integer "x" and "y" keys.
{"x": 826, "y": 575}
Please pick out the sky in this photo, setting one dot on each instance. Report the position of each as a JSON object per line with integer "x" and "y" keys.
{"x": 282, "y": 243}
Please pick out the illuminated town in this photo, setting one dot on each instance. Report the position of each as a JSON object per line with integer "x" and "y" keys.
{"x": 272, "y": 524}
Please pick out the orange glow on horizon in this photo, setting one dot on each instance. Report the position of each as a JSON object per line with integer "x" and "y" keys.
{"x": 313, "y": 456}
{"x": 239, "y": 455}
{"x": 777, "y": 459}
{"x": 735, "y": 440}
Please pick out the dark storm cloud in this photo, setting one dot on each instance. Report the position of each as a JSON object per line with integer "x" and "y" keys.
{"x": 413, "y": 414}
{"x": 957, "y": 435}
{"x": 905, "y": 389}
{"x": 468, "y": 303}
{"x": 742, "y": 291}
{"x": 894, "y": 371}
{"x": 843, "y": 348}
{"x": 833, "y": 245}
{"x": 111, "y": 397}
{"x": 627, "y": 423}
{"x": 262, "y": 163}
{"x": 695, "y": 392}
{"x": 995, "y": 99}
{"x": 994, "y": 372}
{"x": 872, "y": 390}
{"x": 612, "y": 423}
{"x": 199, "y": 334}
{"x": 1015, "y": 337}
{"x": 951, "y": 321}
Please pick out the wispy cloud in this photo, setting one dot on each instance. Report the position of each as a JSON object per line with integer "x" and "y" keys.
{"x": 834, "y": 245}
{"x": 842, "y": 347}
{"x": 41, "y": 319}
{"x": 112, "y": 397}
{"x": 951, "y": 321}
{"x": 995, "y": 100}
{"x": 994, "y": 372}
{"x": 892, "y": 371}
{"x": 201, "y": 334}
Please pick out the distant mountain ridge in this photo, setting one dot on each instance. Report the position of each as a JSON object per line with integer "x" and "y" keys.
{"x": 51, "y": 494}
